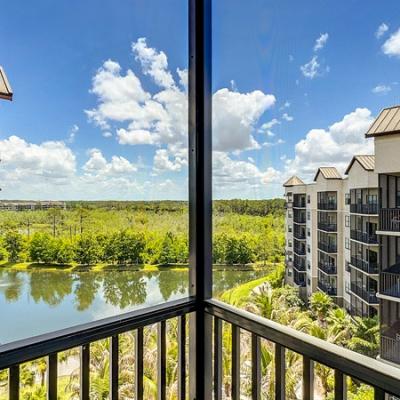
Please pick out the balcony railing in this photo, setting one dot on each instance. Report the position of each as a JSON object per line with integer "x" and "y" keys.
{"x": 299, "y": 218}
{"x": 328, "y": 268}
{"x": 327, "y": 247}
{"x": 368, "y": 295}
{"x": 300, "y": 279}
{"x": 370, "y": 267}
{"x": 364, "y": 208}
{"x": 364, "y": 237}
{"x": 328, "y": 289}
{"x": 383, "y": 378}
{"x": 299, "y": 263}
{"x": 389, "y": 284}
{"x": 389, "y": 219}
{"x": 390, "y": 349}
{"x": 327, "y": 205}
{"x": 300, "y": 250}
{"x": 325, "y": 226}
{"x": 298, "y": 234}
{"x": 299, "y": 203}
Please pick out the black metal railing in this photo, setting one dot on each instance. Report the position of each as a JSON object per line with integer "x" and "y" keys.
{"x": 390, "y": 349}
{"x": 389, "y": 284}
{"x": 327, "y": 247}
{"x": 299, "y": 203}
{"x": 299, "y": 279}
{"x": 328, "y": 268}
{"x": 327, "y": 288}
{"x": 364, "y": 237}
{"x": 50, "y": 345}
{"x": 331, "y": 205}
{"x": 370, "y": 267}
{"x": 384, "y": 378}
{"x": 299, "y": 233}
{"x": 368, "y": 295}
{"x": 364, "y": 208}
{"x": 300, "y": 250}
{"x": 299, "y": 218}
{"x": 328, "y": 227}
{"x": 389, "y": 219}
{"x": 299, "y": 263}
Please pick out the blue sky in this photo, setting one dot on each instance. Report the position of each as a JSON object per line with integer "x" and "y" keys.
{"x": 100, "y": 97}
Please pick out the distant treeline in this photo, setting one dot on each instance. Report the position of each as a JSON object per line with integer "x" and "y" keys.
{"x": 238, "y": 206}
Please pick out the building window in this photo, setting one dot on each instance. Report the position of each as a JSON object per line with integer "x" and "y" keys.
{"x": 289, "y": 228}
{"x": 308, "y": 282}
{"x": 308, "y": 265}
{"x": 347, "y": 221}
{"x": 308, "y": 215}
{"x": 308, "y": 199}
{"x": 289, "y": 243}
{"x": 347, "y": 199}
{"x": 308, "y": 248}
{"x": 308, "y": 232}
{"x": 290, "y": 215}
{"x": 347, "y": 243}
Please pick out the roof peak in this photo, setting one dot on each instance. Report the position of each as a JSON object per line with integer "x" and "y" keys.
{"x": 293, "y": 181}
{"x": 328, "y": 173}
{"x": 387, "y": 122}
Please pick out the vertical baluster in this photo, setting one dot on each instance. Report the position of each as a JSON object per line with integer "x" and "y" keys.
{"x": 379, "y": 394}
{"x": 308, "y": 378}
{"x": 114, "y": 373}
{"x": 13, "y": 382}
{"x": 235, "y": 362}
{"x": 182, "y": 357}
{"x": 161, "y": 371}
{"x": 280, "y": 372}
{"x": 217, "y": 359}
{"x": 52, "y": 373}
{"x": 255, "y": 367}
{"x": 85, "y": 371}
{"x": 340, "y": 386}
{"x": 139, "y": 364}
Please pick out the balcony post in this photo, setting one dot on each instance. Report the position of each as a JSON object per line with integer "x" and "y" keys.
{"x": 200, "y": 198}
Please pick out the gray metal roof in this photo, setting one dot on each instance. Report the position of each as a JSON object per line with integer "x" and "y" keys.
{"x": 328, "y": 173}
{"x": 387, "y": 123}
{"x": 293, "y": 181}
{"x": 5, "y": 88}
{"x": 366, "y": 161}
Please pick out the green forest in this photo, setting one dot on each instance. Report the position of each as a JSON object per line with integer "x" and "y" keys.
{"x": 139, "y": 233}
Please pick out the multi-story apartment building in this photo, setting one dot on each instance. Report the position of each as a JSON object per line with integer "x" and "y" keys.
{"x": 352, "y": 227}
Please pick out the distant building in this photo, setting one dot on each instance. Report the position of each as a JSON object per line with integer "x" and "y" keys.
{"x": 6, "y": 205}
{"x": 343, "y": 234}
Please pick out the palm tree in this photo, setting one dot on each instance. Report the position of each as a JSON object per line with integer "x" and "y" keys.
{"x": 365, "y": 336}
{"x": 320, "y": 304}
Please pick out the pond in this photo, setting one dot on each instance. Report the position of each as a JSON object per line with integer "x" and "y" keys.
{"x": 37, "y": 301}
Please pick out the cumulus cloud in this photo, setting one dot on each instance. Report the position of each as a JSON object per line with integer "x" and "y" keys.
{"x": 163, "y": 162}
{"x": 287, "y": 117}
{"x": 335, "y": 145}
{"x": 392, "y": 45}
{"x": 321, "y": 41}
{"x": 382, "y": 29}
{"x": 98, "y": 165}
{"x": 381, "y": 89}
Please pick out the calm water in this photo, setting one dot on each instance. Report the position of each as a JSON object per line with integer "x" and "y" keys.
{"x": 36, "y": 302}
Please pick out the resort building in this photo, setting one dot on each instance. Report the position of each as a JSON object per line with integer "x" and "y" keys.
{"x": 351, "y": 249}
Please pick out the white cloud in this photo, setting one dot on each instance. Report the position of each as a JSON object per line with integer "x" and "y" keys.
{"x": 72, "y": 133}
{"x": 311, "y": 69}
{"x": 163, "y": 162}
{"x": 235, "y": 116}
{"x": 321, "y": 41}
{"x": 97, "y": 165}
{"x": 333, "y": 146}
{"x": 285, "y": 105}
{"x": 287, "y": 117}
{"x": 392, "y": 45}
{"x": 381, "y": 89}
{"x": 107, "y": 134}
{"x": 382, "y": 29}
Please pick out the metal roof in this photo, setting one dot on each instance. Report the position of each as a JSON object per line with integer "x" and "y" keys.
{"x": 293, "y": 181}
{"x": 387, "y": 123}
{"x": 367, "y": 162}
{"x": 328, "y": 173}
{"x": 5, "y": 88}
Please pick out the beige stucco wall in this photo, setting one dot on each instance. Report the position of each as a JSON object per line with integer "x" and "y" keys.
{"x": 387, "y": 154}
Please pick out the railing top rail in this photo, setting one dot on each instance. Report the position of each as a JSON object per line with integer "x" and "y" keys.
{"x": 43, "y": 345}
{"x": 366, "y": 369}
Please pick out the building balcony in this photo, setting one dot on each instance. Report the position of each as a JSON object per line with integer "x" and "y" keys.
{"x": 327, "y": 247}
{"x": 327, "y": 227}
{"x": 299, "y": 203}
{"x": 298, "y": 234}
{"x": 300, "y": 250}
{"x": 367, "y": 295}
{"x": 299, "y": 263}
{"x": 327, "y": 206}
{"x": 299, "y": 279}
{"x": 389, "y": 220}
{"x": 326, "y": 288}
{"x": 364, "y": 237}
{"x": 299, "y": 218}
{"x": 368, "y": 209}
{"x": 370, "y": 267}
{"x": 390, "y": 349}
{"x": 390, "y": 282}
{"x": 328, "y": 268}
